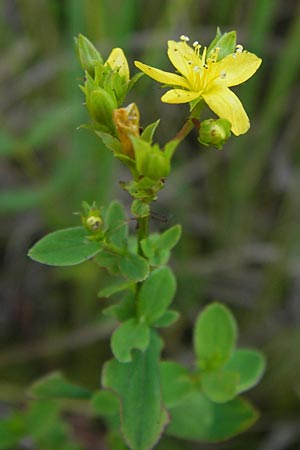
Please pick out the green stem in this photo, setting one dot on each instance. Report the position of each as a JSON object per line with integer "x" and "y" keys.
{"x": 142, "y": 231}
{"x": 190, "y": 122}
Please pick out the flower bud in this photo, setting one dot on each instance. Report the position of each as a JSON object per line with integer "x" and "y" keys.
{"x": 101, "y": 105}
{"x": 127, "y": 123}
{"x": 88, "y": 55}
{"x": 214, "y": 132}
{"x": 118, "y": 63}
{"x": 151, "y": 161}
{"x": 91, "y": 219}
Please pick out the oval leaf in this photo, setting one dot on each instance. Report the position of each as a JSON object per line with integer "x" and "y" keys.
{"x": 250, "y": 365}
{"x": 143, "y": 417}
{"x": 54, "y": 385}
{"x": 130, "y": 335}
{"x": 156, "y": 294}
{"x": 66, "y": 247}
{"x": 169, "y": 238}
{"x": 199, "y": 419}
{"x": 176, "y": 383}
{"x": 214, "y": 336}
{"x": 116, "y": 221}
{"x": 133, "y": 267}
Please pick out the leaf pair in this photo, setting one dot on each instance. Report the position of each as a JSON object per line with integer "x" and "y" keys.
{"x": 225, "y": 372}
{"x": 153, "y": 299}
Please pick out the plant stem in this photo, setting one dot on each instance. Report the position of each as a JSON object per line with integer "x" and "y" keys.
{"x": 142, "y": 231}
{"x": 190, "y": 122}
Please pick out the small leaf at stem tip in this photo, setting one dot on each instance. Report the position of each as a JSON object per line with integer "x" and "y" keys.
{"x": 148, "y": 133}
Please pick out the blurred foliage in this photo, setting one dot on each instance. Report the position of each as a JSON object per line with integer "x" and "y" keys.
{"x": 239, "y": 207}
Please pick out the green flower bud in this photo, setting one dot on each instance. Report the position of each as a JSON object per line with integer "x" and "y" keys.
{"x": 214, "y": 132}
{"x": 101, "y": 105}
{"x": 91, "y": 219}
{"x": 88, "y": 55}
{"x": 151, "y": 161}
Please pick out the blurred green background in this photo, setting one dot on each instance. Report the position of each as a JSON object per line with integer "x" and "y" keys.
{"x": 240, "y": 207}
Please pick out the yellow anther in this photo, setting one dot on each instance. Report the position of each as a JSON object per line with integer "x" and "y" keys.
{"x": 239, "y": 48}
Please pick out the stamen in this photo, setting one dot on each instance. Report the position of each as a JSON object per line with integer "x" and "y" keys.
{"x": 195, "y": 44}
{"x": 184, "y": 38}
{"x": 223, "y": 75}
{"x": 239, "y": 48}
{"x": 196, "y": 69}
{"x": 204, "y": 56}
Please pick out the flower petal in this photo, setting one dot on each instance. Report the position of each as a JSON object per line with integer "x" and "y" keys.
{"x": 161, "y": 76}
{"x": 238, "y": 67}
{"x": 117, "y": 61}
{"x": 226, "y": 105}
{"x": 183, "y": 57}
{"x": 179, "y": 96}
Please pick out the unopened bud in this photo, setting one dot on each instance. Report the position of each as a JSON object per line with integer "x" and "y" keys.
{"x": 151, "y": 161}
{"x": 101, "y": 105}
{"x": 87, "y": 53}
{"x": 91, "y": 219}
{"x": 214, "y": 132}
{"x": 118, "y": 63}
{"x": 127, "y": 123}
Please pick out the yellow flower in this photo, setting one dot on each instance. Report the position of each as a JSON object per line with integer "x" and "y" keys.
{"x": 206, "y": 77}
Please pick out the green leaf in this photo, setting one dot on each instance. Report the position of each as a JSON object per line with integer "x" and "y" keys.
{"x": 221, "y": 385}
{"x": 167, "y": 319}
{"x": 199, "y": 419}
{"x": 105, "y": 403}
{"x": 123, "y": 310}
{"x": 128, "y": 336}
{"x": 12, "y": 430}
{"x": 148, "y": 133}
{"x": 250, "y": 365}
{"x": 66, "y": 247}
{"x": 176, "y": 383}
{"x": 41, "y": 417}
{"x": 134, "y": 79}
{"x": 169, "y": 238}
{"x": 115, "y": 287}
{"x": 116, "y": 221}
{"x": 156, "y": 294}
{"x": 157, "y": 256}
{"x": 137, "y": 383}
{"x": 214, "y": 336}
{"x": 109, "y": 141}
{"x": 133, "y": 267}
{"x": 108, "y": 260}
{"x": 54, "y": 385}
